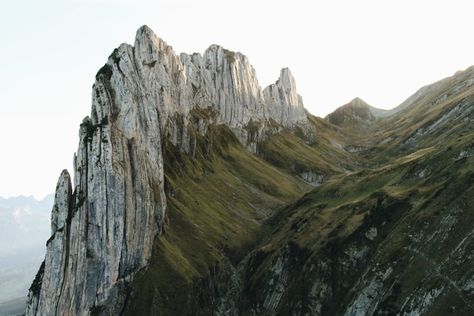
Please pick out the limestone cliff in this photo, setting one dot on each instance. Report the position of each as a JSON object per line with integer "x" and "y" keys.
{"x": 103, "y": 227}
{"x": 286, "y": 106}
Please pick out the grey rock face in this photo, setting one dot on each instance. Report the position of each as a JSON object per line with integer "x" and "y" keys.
{"x": 312, "y": 177}
{"x": 50, "y": 282}
{"x": 62, "y": 201}
{"x": 285, "y": 105}
{"x": 103, "y": 229}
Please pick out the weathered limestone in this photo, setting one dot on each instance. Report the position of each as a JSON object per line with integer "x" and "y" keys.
{"x": 103, "y": 231}
{"x": 56, "y": 253}
{"x": 62, "y": 201}
{"x": 285, "y": 106}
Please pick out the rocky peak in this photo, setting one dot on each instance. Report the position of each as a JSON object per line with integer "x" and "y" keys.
{"x": 358, "y": 103}
{"x": 62, "y": 200}
{"x": 357, "y": 111}
{"x": 284, "y": 103}
{"x": 239, "y": 96}
{"x": 147, "y": 43}
{"x": 286, "y": 82}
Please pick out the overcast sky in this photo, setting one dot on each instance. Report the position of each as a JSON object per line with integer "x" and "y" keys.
{"x": 381, "y": 51}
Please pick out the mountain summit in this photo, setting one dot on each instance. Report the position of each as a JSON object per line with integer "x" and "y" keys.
{"x": 196, "y": 192}
{"x": 354, "y": 112}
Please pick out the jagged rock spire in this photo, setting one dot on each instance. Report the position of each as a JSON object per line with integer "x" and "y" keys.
{"x": 62, "y": 202}
{"x": 283, "y": 102}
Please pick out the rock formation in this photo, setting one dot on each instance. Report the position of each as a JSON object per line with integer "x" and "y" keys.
{"x": 103, "y": 230}
{"x": 285, "y": 106}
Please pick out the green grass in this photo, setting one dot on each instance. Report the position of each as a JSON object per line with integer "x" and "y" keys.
{"x": 390, "y": 197}
{"x": 217, "y": 202}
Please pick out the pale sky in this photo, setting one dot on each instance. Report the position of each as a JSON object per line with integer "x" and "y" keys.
{"x": 381, "y": 51}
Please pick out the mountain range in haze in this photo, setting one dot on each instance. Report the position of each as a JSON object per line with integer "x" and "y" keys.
{"x": 24, "y": 227}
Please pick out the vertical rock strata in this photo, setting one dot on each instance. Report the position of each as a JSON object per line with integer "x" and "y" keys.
{"x": 104, "y": 226}
{"x": 286, "y": 105}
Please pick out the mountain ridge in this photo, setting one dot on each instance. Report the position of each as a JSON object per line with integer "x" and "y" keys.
{"x": 198, "y": 193}
{"x": 145, "y": 95}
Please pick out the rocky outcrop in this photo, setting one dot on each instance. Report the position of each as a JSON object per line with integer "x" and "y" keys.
{"x": 104, "y": 227}
{"x": 219, "y": 79}
{"x": 285, "y": 105}
{"x": 62, "y": 201}
{"x": 49, "y": 286}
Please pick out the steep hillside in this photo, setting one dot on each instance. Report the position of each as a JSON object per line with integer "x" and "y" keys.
{"x": 392, "y": 240}
{"x": 438, "y": 113}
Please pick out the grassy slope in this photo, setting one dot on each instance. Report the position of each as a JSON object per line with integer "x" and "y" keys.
{"x": 418, "y": 194}
{"x": 397, "y": 134}
{"x": 217, "y": 202}
{"x": 409, "y": 211}
{"x": 318, "y": 148}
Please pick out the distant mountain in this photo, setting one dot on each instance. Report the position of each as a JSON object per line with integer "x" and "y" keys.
{"x": 25, "y": 224}
{"x": 356, "y": 111}
{"x": 15, "y": 307}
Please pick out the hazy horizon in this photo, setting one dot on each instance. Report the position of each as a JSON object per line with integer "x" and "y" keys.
{"x": 337, "y": 50}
